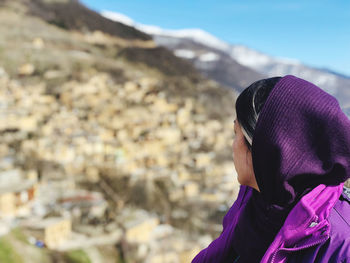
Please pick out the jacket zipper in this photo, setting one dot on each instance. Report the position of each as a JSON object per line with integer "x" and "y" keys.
{"x": 299, "y": 248}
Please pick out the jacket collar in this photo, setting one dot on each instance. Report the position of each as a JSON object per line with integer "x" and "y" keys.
{"x": 307, "y": 224}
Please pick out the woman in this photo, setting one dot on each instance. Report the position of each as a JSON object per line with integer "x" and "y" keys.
{"x": 292, "y": 155}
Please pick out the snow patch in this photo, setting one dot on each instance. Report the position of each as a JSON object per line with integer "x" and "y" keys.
{"x": 249, "y": 57}
{"x": 209, "y": 57}
{"x": 195, "y": 34}
{"x": 118, "y": 17}
{"x": 185, "y": 53}
{"x": 151, "y": 30}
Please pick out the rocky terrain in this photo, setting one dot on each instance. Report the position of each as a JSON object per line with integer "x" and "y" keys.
{"x": 99, "y": 107}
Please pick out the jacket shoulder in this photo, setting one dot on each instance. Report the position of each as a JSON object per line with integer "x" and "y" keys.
{"x": 242, "y": 198}
{"x": 337, "y": 247}
{"x": 339, "y": 219}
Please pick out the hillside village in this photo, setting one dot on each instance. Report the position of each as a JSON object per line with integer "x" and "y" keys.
{"x": 164, "y": 154}
{"x": 104, "y": 159}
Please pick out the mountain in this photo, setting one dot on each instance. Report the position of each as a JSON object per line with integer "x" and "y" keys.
{"x": 72, "y": 15}
{"x": 212, "y": 62}
{"x": 228, "y": 62}
{"x": 204, "y": 51}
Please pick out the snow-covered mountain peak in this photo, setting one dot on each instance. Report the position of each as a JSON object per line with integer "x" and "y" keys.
{"x": 216, "y": 58}
{"x": 255, "y": 59}
{"x": 118, "y": 17}
{"x": 197, "y": 35}
{"x": 194, "y": 34}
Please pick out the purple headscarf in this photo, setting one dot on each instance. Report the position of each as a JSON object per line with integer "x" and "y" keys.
{"x": 301, "y": 139}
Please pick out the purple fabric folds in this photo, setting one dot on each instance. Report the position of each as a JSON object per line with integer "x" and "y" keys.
{"x": 302, "y": 139}
{"x": 301, "y": 143}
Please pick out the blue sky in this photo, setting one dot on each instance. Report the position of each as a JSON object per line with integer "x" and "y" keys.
{"x": 314, "y": 32}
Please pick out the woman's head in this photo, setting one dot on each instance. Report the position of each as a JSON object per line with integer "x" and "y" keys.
{"x": 248, "y": 106}
{"x": 301, "y": 139}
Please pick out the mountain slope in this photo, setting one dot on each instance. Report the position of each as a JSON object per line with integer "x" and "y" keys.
{"x": 71, "y": 14}
{"x": 227, "y": 60}
{"x": 197, "y": 46}
{"x": 212, "y": 62}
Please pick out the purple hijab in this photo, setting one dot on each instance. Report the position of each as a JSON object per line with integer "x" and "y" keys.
{"x": 301, "y": 139}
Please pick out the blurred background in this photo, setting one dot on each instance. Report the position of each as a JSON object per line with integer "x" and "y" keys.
{"x": 116, "y": 117}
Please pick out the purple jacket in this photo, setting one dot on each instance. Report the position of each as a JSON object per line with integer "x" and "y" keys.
{"x": 316, "y": 230}
{"x": 301, "y": 159}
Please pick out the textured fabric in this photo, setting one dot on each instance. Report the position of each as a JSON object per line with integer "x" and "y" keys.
{"x": 332, "y": 245}
{"x": 301, "y": 149}
{"x": 337, "y": 247}
{"x": 259, "y": 222}
{"x": 302, "y": 139}
{"x": 308, "y": 225}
